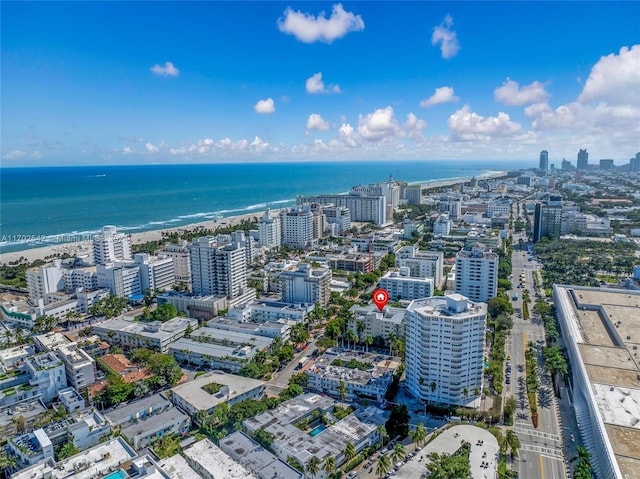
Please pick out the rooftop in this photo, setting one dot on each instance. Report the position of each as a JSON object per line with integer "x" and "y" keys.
{"x": 138, "y": 408}
{"x": 193, "y": 393}
{"x": 607, "y": 328}
{"x": 154, "y": 329}
{"x": 152, "y": 423}
{"x": 177, "y": 468}
{"x": 332, "y": 365}
{"x": 215, "y": 462}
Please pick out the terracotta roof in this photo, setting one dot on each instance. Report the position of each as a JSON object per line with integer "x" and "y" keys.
{"x": 118, "y": 363}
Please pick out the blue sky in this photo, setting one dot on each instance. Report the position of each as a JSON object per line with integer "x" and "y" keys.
{"x": 165, "y": 82}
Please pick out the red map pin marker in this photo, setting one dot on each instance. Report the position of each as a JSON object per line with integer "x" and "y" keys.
{"x": 380, "y": 298}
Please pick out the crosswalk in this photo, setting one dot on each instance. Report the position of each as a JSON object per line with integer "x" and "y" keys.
{"x": 546, "y": 451}
{"x": 533, "y": 432}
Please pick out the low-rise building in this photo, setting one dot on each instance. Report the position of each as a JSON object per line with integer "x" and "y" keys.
{"x": 375, "y": 323}
{"x": 315, "y": 438}
{"x": 31, "y": 410}
{"x": 49, "y": 341}
{"x": 129, "y": 333}
{"x": 199, "y": 307}
{"x": 177, "y": 468}
{"x": 400, "y": 285}
{"x": 265, "y": 465}
{"x": 355, "y": 263}
{"x": 79, "y": 366}
{"x": 364, "y": 375}
{"x": 71, "y": 399}
{"x": 210, "y": 462}
{"x": 31, "y": 448}
{"x": 268, "y": 329}
{"x": 142, "y": 432}
{"x": 271, "y": 311}
{"x": 84, "y": 429}
{"x": 205, "y": 392}
{"x": 97, "y": 462}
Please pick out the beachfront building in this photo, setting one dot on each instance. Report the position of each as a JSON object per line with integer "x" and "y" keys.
{"x": 265, "y": 465}
{"x": 400, "y": 285}
{"x": 444, "y": 349}
{"x": 389, "y": 189}
{"x": 156, "y": 272}
{"x": 179, "y": 254}
{"x": 121, "y": 279}
{"x": 364, "y": 375}
{"x": 204, "y": 393}
{"x": 305, "y": 284}
{"x": 270, "y": 231}
{"x": 129, "y": 333}
{"x": 477, "y": 273}
{"x": 370, "y": 321}
{"x": 217, "y": 269}
{"x": 297, "y": 227}
{"x": 363, "y": 208}
{"x": 110, "y": 246}
{"x": 421, "y": 264}
{"x": 299, "y": 429}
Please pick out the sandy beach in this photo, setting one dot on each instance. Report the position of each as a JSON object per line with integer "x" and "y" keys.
{"x": 82, "y": 246}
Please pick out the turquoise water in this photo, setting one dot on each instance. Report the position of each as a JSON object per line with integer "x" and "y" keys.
{"x": 39, "y": 205}
{"x": 119, "y": 474}
{"x": 317, "y": 430}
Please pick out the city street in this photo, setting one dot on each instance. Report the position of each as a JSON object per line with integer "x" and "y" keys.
{"x": 280, "y": 380}
{"x": 540, "y": 454}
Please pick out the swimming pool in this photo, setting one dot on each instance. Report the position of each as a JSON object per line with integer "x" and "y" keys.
{"x": 119, "y": 474}
{"x": 317, "y": 430}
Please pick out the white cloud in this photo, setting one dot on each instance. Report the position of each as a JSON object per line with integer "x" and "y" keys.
{"x": 414, "y": 127}
{"x": 127, "y": 150}
{"x": 510, "y": 93}
{"x": 444, "y": 94}
{"x": 467, "y": 125}
{"x": 615, "y": 79}
{"x": 537, "y": 109}
{"x": 265, "y": 106}
{"x": 168, "y": 70}
{"x": 309, "y": 29}
{"x": 258, "y": 145}
{"x": 315, "y": 84}
{"x": 151, "y": 148}
{"x": 379, "y": 125}
{"x": 14, "y": 154}
{"x": 315, "y": 122}
{"x": 447, "y": 38}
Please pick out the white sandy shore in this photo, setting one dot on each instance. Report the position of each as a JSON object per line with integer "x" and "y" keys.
{"x": 83, "y": 246}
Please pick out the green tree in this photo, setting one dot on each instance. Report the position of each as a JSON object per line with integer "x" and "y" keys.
{"x": 342, "y": 390}
{"x": 419, "y": 434}
{"x": 68, "y": 450}
{"x": 8, "y": 463}
{"x": 313, "y": 466}
{"x": 398, "y": 453}
{"x": 383, "y": 465}
{"x": 512, "y": 441}
{"x": 349, "y": 451}
{"x": 368, "y": 340}
{"x": 164, "y": 312}
{"x": 329, "y": 464}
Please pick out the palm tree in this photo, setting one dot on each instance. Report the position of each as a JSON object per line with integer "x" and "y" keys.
{"x": 419, "y": 434}
{"x": 342, "y": 389}
{"x": 368, "y": 341}
{"x": 398, "y": 453}
{"x": 512, "y": 441}
{"x": 360, "y": 327}
{"x": 8, "y": 462}
{"x": 392, "y": 338}
{"x": 383, "y": 465}
{"x": 313, "y": 466}
{"x": 349, "y": 451}
{"x": 382, "y": 433}
{"x": 329, "y": 465}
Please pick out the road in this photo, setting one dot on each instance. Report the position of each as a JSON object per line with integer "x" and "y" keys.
{"x": 541, "y": 452}
{"x": 280, "y": 380}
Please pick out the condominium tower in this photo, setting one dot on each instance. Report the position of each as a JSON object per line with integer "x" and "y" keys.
{"x": 111, "y": 246}
{"x": 444, "y": 349}
{"x": 216, "y": 269}
{"x": 477, "y": 273}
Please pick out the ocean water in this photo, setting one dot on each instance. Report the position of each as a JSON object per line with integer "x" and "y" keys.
{"x": 40, "y": 206}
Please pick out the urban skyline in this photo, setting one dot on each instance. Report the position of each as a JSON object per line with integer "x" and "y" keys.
{"x": 317, "y": 81}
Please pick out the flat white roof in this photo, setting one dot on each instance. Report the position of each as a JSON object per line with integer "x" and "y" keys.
{"x": 215, "y": 462}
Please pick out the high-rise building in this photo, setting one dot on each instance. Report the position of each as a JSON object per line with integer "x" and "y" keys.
{"x": 218, "y": 270}
{"x": 179, "y": 253}
{"x": 156, "y": 272}
{"x": 319, "y": 221}
{"x": 606, "y": 164}
{"x": 544, "y": 160}
{"x": 270, "y": 231}
{"x": 566, "y": 165}
{"x": 583, "y": 160}
{"x": 452, "y": 206}
{"x": 477, "y": 273}
{"x": 390, "y": 189}
{"x": 297, "y": 227}
{"x": 362, "y": 207}
{"x": 305, "y": 284}
{"x": 547, "y": 219}
{"x": 338, "y": 216}
{"x": 444, "y": 349}
{"x": 635, "y": 162}
{"x": 400, "y": 285}
{"x": 111, "y": 246}
{"x": 421, "y": 264}
{"x": 42, "y": 280}
{"x": 122, "y": 279}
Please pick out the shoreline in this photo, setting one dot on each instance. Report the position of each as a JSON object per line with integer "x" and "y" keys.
{"x": 83, "y": 246}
